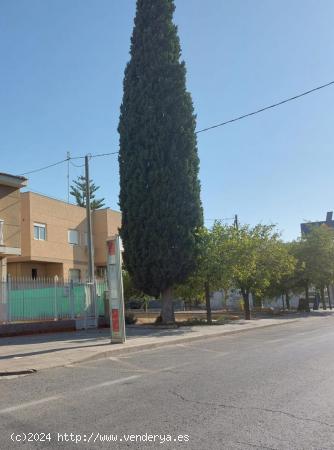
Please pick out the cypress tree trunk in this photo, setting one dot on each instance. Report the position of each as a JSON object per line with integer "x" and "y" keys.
{"x": 245, "y": 295}
{"x": 322, "y": 294}
{"x": 207, "y": 303}
{"x": 167, "y": 307}
{"x": 329, "y": 297}
{"x": 158, "y": 160}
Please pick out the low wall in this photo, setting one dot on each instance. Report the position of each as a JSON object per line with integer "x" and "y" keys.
{"x": 150, "y": 316}
{"x": 17, "y": 329}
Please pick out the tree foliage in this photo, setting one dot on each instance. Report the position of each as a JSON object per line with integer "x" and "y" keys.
{"x": 260, "y": 259}
{"x": 252, "y": 259}
{"x": 314, "y": 252}
{"x": 212, "y": 269}
{"x": 78, "y": 190}
{"x": 160, "y": 190}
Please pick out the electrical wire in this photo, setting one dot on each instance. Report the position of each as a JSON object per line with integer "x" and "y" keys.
{"x": 104, "y": 154}
{"x": 274, "y": 105}
{"x": 45, "y": 167}
{"x": 68, "y": 159}
{"x": 76, "y": 165}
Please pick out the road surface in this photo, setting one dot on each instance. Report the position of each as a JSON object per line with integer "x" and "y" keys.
{"x": 270, "y": 388}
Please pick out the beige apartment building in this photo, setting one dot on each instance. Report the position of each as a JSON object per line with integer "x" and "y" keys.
{"x": 10, "y": 218}
{"x": 54, "y": 238}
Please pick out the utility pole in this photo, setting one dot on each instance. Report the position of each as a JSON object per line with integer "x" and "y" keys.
{"x": 91, "y": 277}
{"x": 92, "y": 309}
{"x": 236, "y": 221}
{"x": 91, "y": 273}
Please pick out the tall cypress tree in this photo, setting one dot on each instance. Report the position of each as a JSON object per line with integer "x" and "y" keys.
{"x": 160, "y": 190}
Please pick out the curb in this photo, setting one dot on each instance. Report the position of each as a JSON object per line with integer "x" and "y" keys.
{"x": 154, "y": 345}
{"x": 145, "y": 346}
{"x": 17, "y": 372}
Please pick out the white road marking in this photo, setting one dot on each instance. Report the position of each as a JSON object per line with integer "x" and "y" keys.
{"x": 28, "y": 404}
{"x": 168, "y": 369}
{"x": 109, "y": 383}
{"x": 87, "y": 389}
{"x": 204, "y": 349}
{"x": 59, "y": 397}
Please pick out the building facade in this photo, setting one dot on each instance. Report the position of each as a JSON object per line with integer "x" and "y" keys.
{"x": 10, "y": 219}
{"x": 305, "y": 227}
{"x": 10, "y": 229}
{"x": 54, "y": 238}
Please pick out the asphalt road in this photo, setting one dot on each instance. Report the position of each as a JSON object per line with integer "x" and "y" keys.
{"x": 266, "y": 389}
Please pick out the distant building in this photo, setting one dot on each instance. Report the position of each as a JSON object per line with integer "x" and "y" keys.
{"x": 305, "y": 227}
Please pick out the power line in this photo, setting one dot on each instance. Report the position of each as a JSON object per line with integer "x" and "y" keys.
{"x": 104, "y": 154}
{"x": 76, "y": 165}
{"x": 45, "y": 167}
{"x": 274, "y": 105}
{"x": 266, "y": 107}
{"x": 66, "y": 160}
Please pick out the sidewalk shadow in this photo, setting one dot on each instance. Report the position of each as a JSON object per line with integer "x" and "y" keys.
{"x": 90, "y": 337}
{"x": 74, "y": 336}
{"x": 50, "y": 350}
{"x": 292, "y": 315}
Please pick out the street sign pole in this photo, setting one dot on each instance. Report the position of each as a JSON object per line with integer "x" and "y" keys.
{"x": 115, "y": 290}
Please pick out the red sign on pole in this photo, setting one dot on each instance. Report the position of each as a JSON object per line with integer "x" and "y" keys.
{"x": 111, "y": 248}
{"x": 115, "y": 320}
{"x": 115, "y": 289}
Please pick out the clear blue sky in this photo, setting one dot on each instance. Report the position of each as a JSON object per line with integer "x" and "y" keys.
{"x": 61, "y": 73}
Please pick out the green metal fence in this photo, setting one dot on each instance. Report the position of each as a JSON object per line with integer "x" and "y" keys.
{"x": 49, "y": 299}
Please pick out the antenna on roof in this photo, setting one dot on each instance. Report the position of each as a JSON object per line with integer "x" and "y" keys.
{"x": 68, "y": 156}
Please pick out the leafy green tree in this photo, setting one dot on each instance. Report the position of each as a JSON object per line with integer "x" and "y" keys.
{"x": 253, "y": 260}
{"x": 314, "y": 252}
{"x": 159, "y": 186}
{"x": 258, "y": 259}
{"x": 78, "y": 190}
{"x": 285, "y": 284}
{"x": 322, "y": 239}
{"x": 214, "y": 269}
{"x": 197, "y": 286}
{"x": 215, "y": 261}
{"x": 191, "y": 291}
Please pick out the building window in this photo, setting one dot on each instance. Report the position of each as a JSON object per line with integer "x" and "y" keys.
{"x": 73, "y": 237}
{"x": 40, "y": 231}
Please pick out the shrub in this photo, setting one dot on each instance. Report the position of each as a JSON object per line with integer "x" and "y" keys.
{"x": 130, "y": 318}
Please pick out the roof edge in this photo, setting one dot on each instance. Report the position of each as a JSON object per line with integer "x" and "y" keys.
{"x": 17, "y": 181}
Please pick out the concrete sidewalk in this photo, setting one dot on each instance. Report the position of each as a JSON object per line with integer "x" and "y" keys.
{"x": 46, "y": 351}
